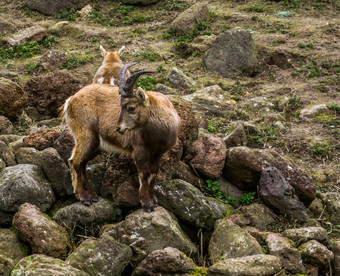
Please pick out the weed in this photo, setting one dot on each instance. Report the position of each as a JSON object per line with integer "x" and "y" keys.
{"x": 30, "y": 68}
{"x": 74, "y": 61}
{"x": 137, "y": 18}
{"x": 147, "y": 83}
{"x": 199, "y": 271}
{"x": 49, "y": 41}
{"x": 253, "y": 8}
{"x": 125, "y": 9}
{"x": 213, "y": 188}
{"x": 70, "y": 15}
{"x": 160, "y": 69}
{"x": 322, "y": 150}
{"x": 248, "y": 198}
{"x": 334, "y": 107}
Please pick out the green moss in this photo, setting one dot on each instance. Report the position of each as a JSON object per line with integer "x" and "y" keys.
{"x": 199, "y": 271}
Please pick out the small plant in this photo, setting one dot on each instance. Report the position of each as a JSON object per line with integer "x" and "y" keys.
{"x": 33, "y": 67}
{"x": 125, "y": 9}
{"x": 334, "y": 107}
{"x": 147, "y": 83}
{"x": 75, "y": 61}
{"x": 49, "y": 41}
{"x": 213, "y": 188}
{"x": 322, "y": 150}
{"x": 70, "y": 15}
{"x": 247, "y": 198}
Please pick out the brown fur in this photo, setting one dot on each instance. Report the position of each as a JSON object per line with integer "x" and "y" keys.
{"x": 96, "y": 113}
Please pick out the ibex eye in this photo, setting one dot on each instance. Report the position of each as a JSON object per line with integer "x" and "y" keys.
{"x": 131, "y": 109}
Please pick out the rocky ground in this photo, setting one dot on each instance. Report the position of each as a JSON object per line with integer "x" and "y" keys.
{"x": 251, "y": 188}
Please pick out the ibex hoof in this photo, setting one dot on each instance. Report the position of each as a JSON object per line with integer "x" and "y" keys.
{"x": 148, "y": 209}
{"x": 86, "y": 202}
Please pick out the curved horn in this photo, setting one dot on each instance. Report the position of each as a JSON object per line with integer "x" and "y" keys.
{"x": 130, "y": 82}
{"x": 122, "y": 76}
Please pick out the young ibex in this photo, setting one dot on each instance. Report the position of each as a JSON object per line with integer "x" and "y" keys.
{"x": 120, "y": 119}
{"x": 108, "y": 72}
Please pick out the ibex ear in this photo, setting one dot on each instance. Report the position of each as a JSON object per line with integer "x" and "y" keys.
{"x": 141, "y": 96}
{"x": 121, "y": 51}
{"x": 102, "y": 50}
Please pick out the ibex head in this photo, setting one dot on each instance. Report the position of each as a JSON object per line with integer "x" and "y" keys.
{"x": 134, "y": 103}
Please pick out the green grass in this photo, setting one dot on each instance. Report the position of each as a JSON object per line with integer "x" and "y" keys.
{"x": 74, "y": 61}
{"x": 147, "y": 83}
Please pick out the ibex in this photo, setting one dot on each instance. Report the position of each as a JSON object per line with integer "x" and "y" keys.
{"x": 120, "y": 119}
{"x": 108, "y": 72}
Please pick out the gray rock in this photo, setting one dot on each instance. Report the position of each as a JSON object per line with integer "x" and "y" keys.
{"x": 165, "y": 261}
{"x": 312, "y": 111}
{"x": 50, "y": 7}
{"x": 7, "y": 154}
{"x": 230, "y": 241}
{"x": 316, "y": 253}
{"x": 220, "y": 209}
{"x": 12, "y": 250}
{"x": 276, "y": 192}
{"x": 259, "y": 215}
{"x": 207, "y": 156}
{"x": 146, "y": 232}
{"x": 44, "y": 235}
{"x": 103, "y": 256}
{"x": 256, "y": 265}
{"x": 6, "y": 127}
{"x": 180, "y": 80}
{"x": 229, "y": 190}
{"x": 304, "y": 234}
{"x": 140, "y": 2}
{"x": 24, "y": 183}
{"x": 233, "y": 52}
{"x": 159, "y": 87}
{"x": 186, "y": 202}
{"x": 34, "y": 33}
{"x": 335, "y": 246}
{"x": 285, "y": 249}
{"x": 2, "y": 165}
{"x": 258, "y": 103}
{"x": 42, "y": 265}
{"x": 237, "y": 138}
{"x": 101, "y": 212}
{"x": 185, "y": 22}
{"x": 244, "y": 166}
{"x": 332, "y": 202}
{"x": 52, "y": 59}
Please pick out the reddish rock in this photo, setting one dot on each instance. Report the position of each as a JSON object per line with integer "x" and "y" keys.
{"x": 44, "y": 235}
{"x": 243, "y": 168}
{"x": 48, "y": 92}
{"x": 41, "y": 139}
{"x": 12, "y": 99}
{"x": 64, "y": 144}
{"x": 207, "y": 156}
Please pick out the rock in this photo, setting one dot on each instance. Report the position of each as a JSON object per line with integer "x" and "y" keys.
{"x": 52, "y": 59}
{"x": 201, "y": 43}
{"x": 101, "y": 212}
{"x": 52, "y": 165}
{"x": 313, "y": 111}
{"x": 39, "y": 265}
{"x": 95, "y": 174}
{"x": 103, "y": 256}
{"x": 2, "y": 165}
{"x": 258, "y": 103}
{"x": 12, "y": 99}
{"x": 276, "y": 192}
{"x": 6, "y": 126}
{"x": 244, "y": 166}
{"x": 237, "y": 138}
{"x": 335, "y": 245}
{"x": 48, "y": 92}
{"x": 332, "y": 202}
{"x": 304, "y": 234}
{"x": 186, "y": 202}
{"x": 233, "y": 52}
{"x": 41, "y": 139}
{"x": 220, "y": 209}
{"x": 64, "y": 144}
{"x": 229, "y": 190}
{"x": 207, "y": 156}
{"x": 256, "y": 265}
{"x": 187, "y": 21}
{"x": 44, "y": 235}
{"x": 316, "y": 253}
{"x": 33, "y": 33}
{"x": 285, "y": 249}
{"x": 86, "y": 11}
{"x": 230, "y": 241}
{"x": 180, "y": 80}
{"x": 146, "y": 232}
{"x": 165, "y": 261}
{"x": 24, "y": 183}
{"x": 211, "y": 100}
{"x": 50, "y": 7}
{"x": 166, "y": 90}
{"x": 59, "y": 27}
{"x": 259, "y": 215}
{"x": 12, "y": 250}
{"x": 139, "y": 2}
{"x": 7, "y": 154}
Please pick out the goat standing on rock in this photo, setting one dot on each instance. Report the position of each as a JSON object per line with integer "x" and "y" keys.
{"x": 127, "y": 120}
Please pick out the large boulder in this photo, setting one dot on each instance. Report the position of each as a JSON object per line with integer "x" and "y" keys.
{"x": 186, "y": 22}
{"x": 244, "y": 166}
{"x": 44, "y": 235}
{"x": 284, "y": 248}
{"x": 233, "y": 52}
{"x": 259, "y": 215}
{"x": 276, "y": 192}
{"x": 180, "y": 80}
{"x": 41, "y": 139}
{"x": 146, "y": 232}
{"x": 33, "y": 33}
{"x": 230, "y": 241}
{"x": 256, "y": 265}
{"x": 316, "y": 253}
{"x": 207, "y": 156}
{"x": 103, "y": 256}
{"x": 305, "y": 234}
{"x": 11, "y": 251}
{"x": 165, "y": 261}
{"x": 39, "y": 265}
{"x": 50, "y": 7}
{"x": 332, "y": 202}
{"x": 24, "y": 183}
{"x": 186, "y": 202}
{"x": 12, "y": 99}
{"x": 49, "y": 92}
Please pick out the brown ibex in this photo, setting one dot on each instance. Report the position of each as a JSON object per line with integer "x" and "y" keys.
{"x": 108, "y": 72}
{"x": 120, "y": 119}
